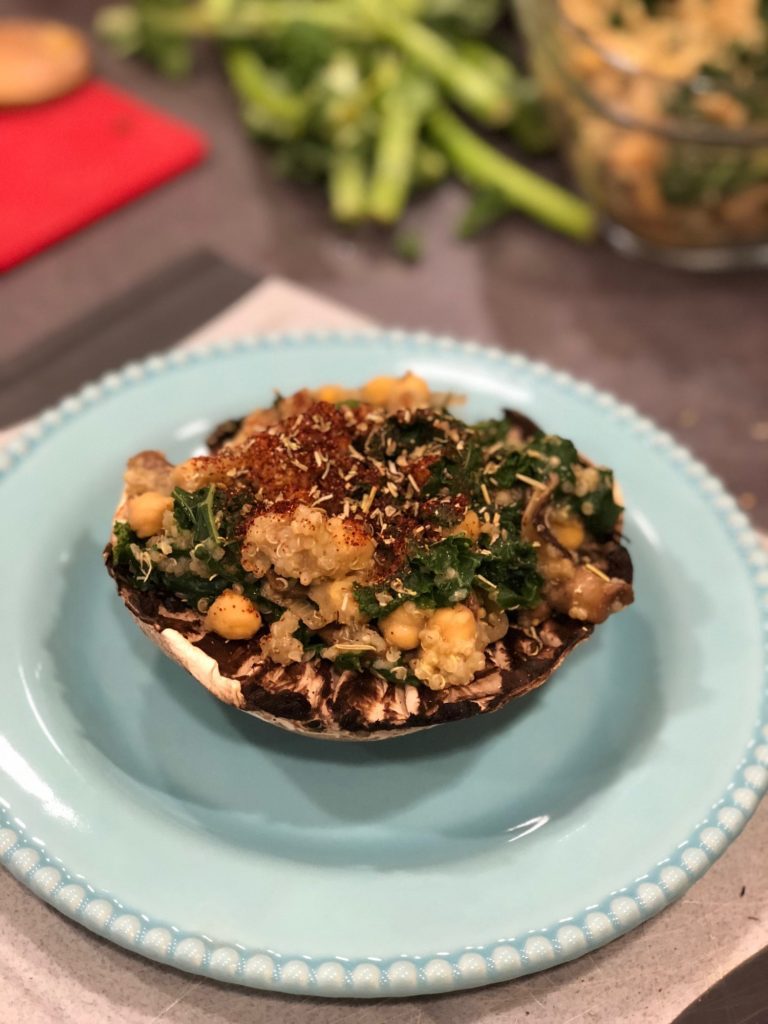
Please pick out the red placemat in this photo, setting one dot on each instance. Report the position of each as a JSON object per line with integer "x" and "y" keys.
{"x": 67, "y": 162}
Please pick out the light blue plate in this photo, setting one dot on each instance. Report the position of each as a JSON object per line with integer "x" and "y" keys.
{"x": 197, "y": 835}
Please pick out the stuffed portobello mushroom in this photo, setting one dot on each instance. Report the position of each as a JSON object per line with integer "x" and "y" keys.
{"x": 360, "y": 564}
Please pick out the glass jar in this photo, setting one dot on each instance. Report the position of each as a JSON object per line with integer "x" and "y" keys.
{"x": 674, "y": 158}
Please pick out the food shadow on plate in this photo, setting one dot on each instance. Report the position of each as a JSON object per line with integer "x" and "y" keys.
{"x": 677, "y": 613}
{"x": 551, "y": 751}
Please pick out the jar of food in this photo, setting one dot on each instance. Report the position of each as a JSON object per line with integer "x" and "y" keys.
{"x": 663, "y": 108}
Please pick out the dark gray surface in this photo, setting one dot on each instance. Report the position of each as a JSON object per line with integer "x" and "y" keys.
{"x": 740, "y": 998}
{"x": 680, "y": 347}
{"x": 154, "y": 314}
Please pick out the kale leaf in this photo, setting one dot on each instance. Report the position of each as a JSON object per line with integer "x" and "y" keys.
{"x": 510, "y": 569}
{"x": 435, "y": 577}
{"x": 545, "y": 454}
{"x": 457, "y": 471}
{"x": 351, "y": 661}
{"x": 366, "y": 600}
{"x": 310, "y": 641}
{"x": 194, "y": 511}
{"x": 398, "y": 435}
{"x": 389, "y": 675}
{"x": 121, "y": 548}
{"x": 601, "y": 521}
{"x": 190, "y": 586}
{"x": 442, "y": 574}
{"x": 489, "y": 432}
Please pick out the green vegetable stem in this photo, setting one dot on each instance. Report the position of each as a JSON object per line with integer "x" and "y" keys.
{"x": 482, "y": 166}
{"x": 430, "y": 166}
{"x": 473, "y": 88}
{"x": 402, "y": 111}
{"x": 268, "y": 107}
{"x": 359, "y": 95}
{"x": 347, "y": 186}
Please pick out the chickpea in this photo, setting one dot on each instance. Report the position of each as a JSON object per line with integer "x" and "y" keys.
{"x": 411, "y": 390}
{"x": 233, "y": 616}
{"x": 504, "y": 498}
{"x": 456, "y": 623}
{"x": 331, "y": 393}
{"x": 145, "y": 513}
{"x": 569, "y": 532}
{"x": 401, "y": 627}
{"x": 408, "y": 390}
{"x": 468, "y": 527}
{"x": 379, "y": 390}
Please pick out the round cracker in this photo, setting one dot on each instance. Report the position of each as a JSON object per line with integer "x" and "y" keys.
{"x": 40, "y": 60}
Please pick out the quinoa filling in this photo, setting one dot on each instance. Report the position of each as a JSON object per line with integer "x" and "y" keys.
{"x": 374, "y": 529}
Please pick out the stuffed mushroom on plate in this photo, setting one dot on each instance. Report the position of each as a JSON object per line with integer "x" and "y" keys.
{"x": 360, "y": 563}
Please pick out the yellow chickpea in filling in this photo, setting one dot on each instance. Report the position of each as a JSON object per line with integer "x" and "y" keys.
{"x": 408, "y": 390}
{"x": 457, "y": 624}
{"x": 233, "y": 617}
{"x": 567, "y": 529}
{"x": 332, "y": 393}
{"x": 145, "y": 513}
{"x": 468, "y": 527}
{"x": 411, "y": 390}
{"x": 378, "y": 390}
{"x": 401, "y": 628}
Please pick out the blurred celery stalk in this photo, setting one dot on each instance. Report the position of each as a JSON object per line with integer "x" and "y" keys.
{"x": 403, "y": 109}
{"x": 485, "y": 168}
{"x": 358, "y": 94}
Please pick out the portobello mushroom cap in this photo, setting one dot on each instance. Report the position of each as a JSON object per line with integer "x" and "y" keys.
{"x": 314, "y": 698}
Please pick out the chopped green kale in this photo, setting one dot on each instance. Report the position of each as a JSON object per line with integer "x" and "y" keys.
{"x": 457, "y": 472}
{"x": 350, "y": 661}
{"x": 509, "y": 574}
{"x": 310, "y": 641}
{"x": 444, "y": 574}
{"x": 601, "y": 521}
{"x": 544, "y": 455}
{"x": 435, "y": 577}
{"x": 121, "y": 548}
{"x": 390, "y": 676}
{"x": 194, "y": 511}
